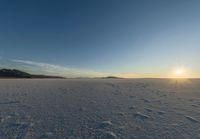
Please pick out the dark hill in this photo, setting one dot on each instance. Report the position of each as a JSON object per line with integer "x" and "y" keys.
{"x": 13, "y": 73}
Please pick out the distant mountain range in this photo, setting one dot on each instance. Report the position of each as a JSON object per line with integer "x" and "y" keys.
{"x": 112, "y": 77}
{"x": 14, "y": 73}
{"x": 109, "y": 77}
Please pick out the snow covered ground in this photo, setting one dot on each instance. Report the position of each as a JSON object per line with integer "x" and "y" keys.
{"x": 99, "y": 109}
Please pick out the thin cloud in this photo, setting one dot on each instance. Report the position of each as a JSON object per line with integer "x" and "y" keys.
{"x": 52, "y": 69}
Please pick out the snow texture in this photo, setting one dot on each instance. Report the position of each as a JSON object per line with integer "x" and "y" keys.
{"x": 99, "y": 109}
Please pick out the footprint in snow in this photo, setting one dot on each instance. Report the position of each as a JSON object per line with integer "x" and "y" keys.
{"x": 132, "y": 107}
{"x": 109, "y": 135}
{"x": 141, "y": 116}
{"x": 146, "y": 100}
{"x": 161, "y": 112}
{"x": 192, "y": 119}
{"x": 92, "y": 102}
{"x": 105, "y": 124}
{"x": 121, "y": 114}
{"x": 148, "y": 109}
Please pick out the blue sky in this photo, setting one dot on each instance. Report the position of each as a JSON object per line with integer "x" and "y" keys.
{"x": 137, "y": 38}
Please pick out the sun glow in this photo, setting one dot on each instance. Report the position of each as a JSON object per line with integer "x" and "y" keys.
{"x": 180, "y": 72}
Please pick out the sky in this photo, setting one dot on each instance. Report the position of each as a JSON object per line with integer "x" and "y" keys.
{"x": 92, "y": 38}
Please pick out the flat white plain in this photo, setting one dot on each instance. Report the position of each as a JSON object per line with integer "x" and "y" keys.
{"x": 99, "y": 109}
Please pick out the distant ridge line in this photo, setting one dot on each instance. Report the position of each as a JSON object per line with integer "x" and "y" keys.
{"x": 14, "y": 73}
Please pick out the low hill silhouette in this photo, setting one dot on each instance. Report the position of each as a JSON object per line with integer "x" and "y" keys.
{"x": 14, "y": 73}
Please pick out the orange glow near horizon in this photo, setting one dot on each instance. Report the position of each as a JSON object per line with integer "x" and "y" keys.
{"x": 180, "y": 72}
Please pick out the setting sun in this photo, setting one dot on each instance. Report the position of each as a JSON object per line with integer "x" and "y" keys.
{"x": 180, "y": 72}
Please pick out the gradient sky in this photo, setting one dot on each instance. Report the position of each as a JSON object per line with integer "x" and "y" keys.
{"x": 130, "y": 38}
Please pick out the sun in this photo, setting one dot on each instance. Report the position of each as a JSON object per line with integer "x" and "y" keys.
{"x": 179, "y": 72}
